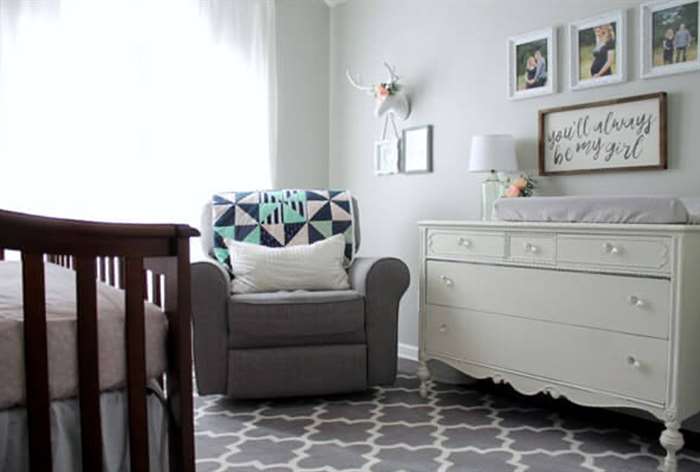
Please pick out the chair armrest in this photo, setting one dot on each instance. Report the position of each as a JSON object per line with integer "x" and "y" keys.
{"x": 210, "y": 301}
{"x": 382, "y": 281}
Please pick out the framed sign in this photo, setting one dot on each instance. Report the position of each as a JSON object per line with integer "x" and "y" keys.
{"x": 613, "y": 135}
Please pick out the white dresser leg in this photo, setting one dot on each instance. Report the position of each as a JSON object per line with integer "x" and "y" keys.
{"x": 672, "y": 441}
{"x": 424, "y": 375}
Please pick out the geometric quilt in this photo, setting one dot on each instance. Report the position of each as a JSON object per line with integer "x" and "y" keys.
{"x": 280, "y": 218}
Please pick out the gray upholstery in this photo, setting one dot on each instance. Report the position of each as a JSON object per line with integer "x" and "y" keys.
{"x": 383, "y": 282}
{"x": 297, "y": 371}
{"x": 296, "y": 320}
{"x": 284, "y": 344}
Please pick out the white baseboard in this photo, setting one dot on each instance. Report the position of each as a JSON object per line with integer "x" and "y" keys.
{"x": 408, "y": 351}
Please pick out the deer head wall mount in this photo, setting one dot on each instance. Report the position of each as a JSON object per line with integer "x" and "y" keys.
{"x": 388, "y": 95}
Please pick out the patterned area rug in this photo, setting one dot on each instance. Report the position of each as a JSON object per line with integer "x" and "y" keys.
{"x": 393, "y": 429}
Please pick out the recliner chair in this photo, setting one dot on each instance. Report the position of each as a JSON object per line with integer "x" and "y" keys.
{"x": 284, "y": 344}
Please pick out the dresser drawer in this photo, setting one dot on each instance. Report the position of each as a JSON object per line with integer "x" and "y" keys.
{"x": 634, "y": 305}
{"x": 465, "y": 244}
{"x": 650, "y": 254}
{"x": 612, "y": 362}
{"x": 533, "y": 248}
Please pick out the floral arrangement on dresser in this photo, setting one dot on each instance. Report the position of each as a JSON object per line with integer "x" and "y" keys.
{"x": 522, "y": 186}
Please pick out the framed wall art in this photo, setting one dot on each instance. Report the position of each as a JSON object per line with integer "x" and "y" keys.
{"x": 386, "y": 157}
{"x": 532, "y": 66}
{"x": 598, "y": 51}
{"x": 613, "y": 135}
{"x": 417, "y": 150}
{"x": 669, "y": 37}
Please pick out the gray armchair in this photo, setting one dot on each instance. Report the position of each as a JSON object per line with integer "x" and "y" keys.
{"x": 295, "y": 343}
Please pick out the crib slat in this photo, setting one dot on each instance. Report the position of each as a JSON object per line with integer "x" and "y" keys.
{"x": 178, "y": 306}
{"x": 136, "y": 363}
{"x": 112, "y": 272}
{"x": 155, "y": 287}
{"x": 36, "y": 363}
{"x": 88, "y": 363}
{"x": 122, "y": 278}
{"x": 103, "y": 271}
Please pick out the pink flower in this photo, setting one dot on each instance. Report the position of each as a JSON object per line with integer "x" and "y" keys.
{"x": 520, "y": 183}
{"x": 381, "y": 91}
{"x": 512, "y": 192}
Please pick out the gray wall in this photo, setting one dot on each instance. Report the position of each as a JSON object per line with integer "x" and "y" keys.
{"x": 303, "y": 56}
{"x": 452, "y": 55}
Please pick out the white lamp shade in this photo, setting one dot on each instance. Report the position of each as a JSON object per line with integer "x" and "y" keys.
{"x": 493, "y": 152}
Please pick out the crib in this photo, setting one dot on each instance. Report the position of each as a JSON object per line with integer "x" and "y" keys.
{"x": 148, "y": 263}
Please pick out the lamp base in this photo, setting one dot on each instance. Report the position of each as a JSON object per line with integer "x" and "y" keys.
{"x": 491, "y": 190}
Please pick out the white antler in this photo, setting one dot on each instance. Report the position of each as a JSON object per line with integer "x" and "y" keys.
{"x": 365, "y": 88}
{"x": 393, "y": 77}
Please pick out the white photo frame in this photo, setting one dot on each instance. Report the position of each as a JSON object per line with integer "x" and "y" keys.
{"x": 583, "y": 35}
{"x": 520, "y": 49}
{"x": 666, "y": 15}
{"x": 386, "y": 157}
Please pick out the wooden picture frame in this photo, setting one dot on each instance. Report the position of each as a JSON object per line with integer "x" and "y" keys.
{"x": 523, "y": 47}
{"x": 584, "y": 40}
{"x": 608, "y": 136}
{"x": 417, "y": 150}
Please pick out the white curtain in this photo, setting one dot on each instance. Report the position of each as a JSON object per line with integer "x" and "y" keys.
{"x": 134, "y": 110}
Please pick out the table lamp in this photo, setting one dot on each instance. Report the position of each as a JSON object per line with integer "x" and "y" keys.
{"x": 492, "y": 153}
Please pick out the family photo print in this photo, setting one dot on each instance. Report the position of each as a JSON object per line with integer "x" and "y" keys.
{"x": 670, "y": 37}
{"x": 532, "y": 64}
{"x": 598, "y": 53}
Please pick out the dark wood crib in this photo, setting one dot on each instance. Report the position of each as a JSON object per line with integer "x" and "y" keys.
{"x": 149, "y": 262}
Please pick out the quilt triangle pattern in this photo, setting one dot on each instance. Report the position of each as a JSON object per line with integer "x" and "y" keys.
{"x": 279, "y": 218}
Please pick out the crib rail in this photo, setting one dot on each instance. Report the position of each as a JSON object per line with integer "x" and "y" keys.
{"x": 149, "y": 262}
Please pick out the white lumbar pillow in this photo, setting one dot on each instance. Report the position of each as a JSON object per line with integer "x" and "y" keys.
{"x": 317, "y": 266}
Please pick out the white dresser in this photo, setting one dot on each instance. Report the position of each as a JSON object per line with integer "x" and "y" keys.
{"x": 605, "y": 315}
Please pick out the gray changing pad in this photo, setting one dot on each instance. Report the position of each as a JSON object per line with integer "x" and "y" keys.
{"x": 599, "y": 209}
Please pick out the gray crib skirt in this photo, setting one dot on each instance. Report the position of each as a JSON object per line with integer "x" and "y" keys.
{"x": 65, "y": 435}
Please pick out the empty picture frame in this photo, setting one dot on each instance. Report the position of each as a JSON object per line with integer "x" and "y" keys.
{"x": 417, "y": 150}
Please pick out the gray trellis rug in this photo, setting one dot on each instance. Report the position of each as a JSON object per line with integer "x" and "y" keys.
{"x": 393, "y": 429}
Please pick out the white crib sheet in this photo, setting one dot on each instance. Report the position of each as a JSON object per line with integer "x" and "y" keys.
{"x": 62, "y": 343}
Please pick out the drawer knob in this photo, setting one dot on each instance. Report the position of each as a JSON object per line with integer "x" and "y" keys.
{"x": 633, "y": 362}
{"x": 611, "y": 248}
{"x": 529, "y": 247}
{"x": 636, "y": 301}
{"x": 464, "y": 242}
{"x": 443, "y": 328}
{"x": 448, "y": 281}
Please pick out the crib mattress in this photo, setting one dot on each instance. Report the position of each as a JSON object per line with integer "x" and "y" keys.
{"x": 596, "y": 209}
{"x": 62, "y": 342}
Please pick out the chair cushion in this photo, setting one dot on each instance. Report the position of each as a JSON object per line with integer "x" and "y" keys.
{"x": 298, "y": 318}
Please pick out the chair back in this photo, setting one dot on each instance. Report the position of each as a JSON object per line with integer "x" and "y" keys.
{"x": 207, "y": 222}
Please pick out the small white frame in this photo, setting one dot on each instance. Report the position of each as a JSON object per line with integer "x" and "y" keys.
{"x": 550, "y": 34}
{"x": 646, "y": 28}
{"x": 619, "y": 17}
{"x": 386, "y": 157}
